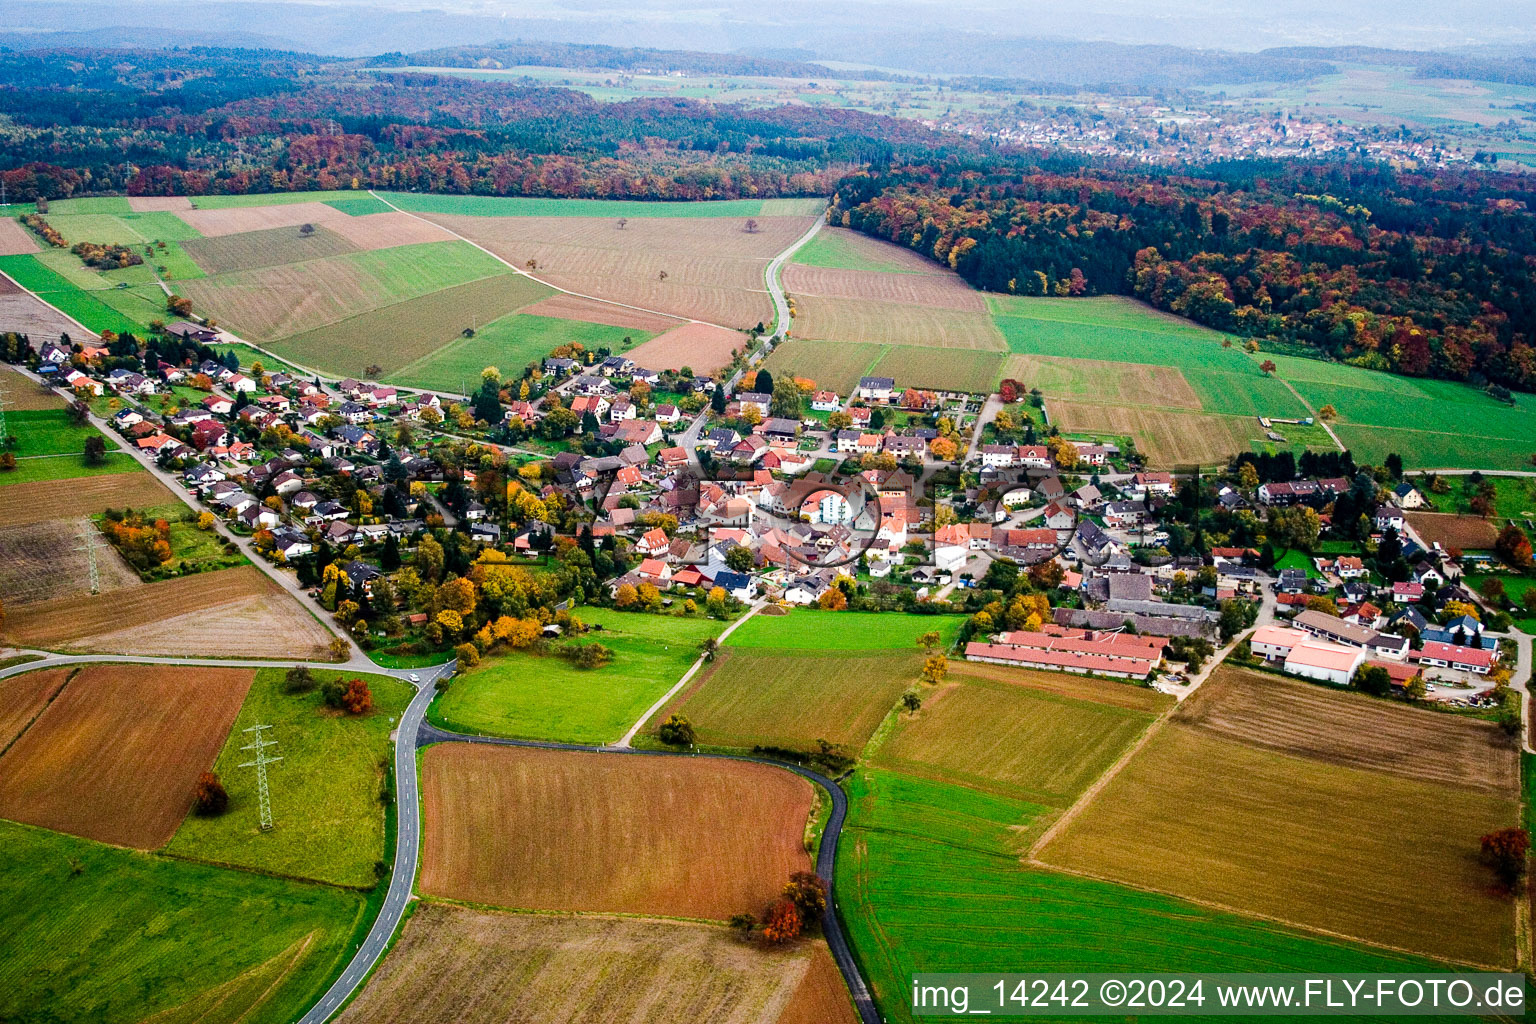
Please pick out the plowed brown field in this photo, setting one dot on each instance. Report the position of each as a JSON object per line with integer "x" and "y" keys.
{"x": 564, "y": 830}
{"x": 44, "y": 561}
{"x": 21, "y": 393}
{"x": 258, "y": 218}
{"x": 940, "y": 290}
{"x": 1466, "y": 533}
{"x": 23, "y": 697}
{"x": 702, "y": 347}
{"x": 22, "y": 504}
{"x": 714, "y": 267}
{"x": 896, "y": 323}
{"x": 153, "y": 204}
{"x": 115, "y": 755}
{"x": 485, "y": 967}
{"x": 15, "y": 240}
{"x": 387, "y": 230}
{"x": 26, "y": 314}
{"x": 229, "y": 613}
{"x": 573, "y": 307}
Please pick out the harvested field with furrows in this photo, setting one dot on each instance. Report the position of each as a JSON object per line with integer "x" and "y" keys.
{"x": 1166, "y": 438}
{"x": 115, "y": 755}
{"x": 846, "y": 249}
{"x": 895, "y": 323}
{"x": 1465, "y": 533}
{"x": 1131, "y": 384}
{"x": 937, "y": 290}
{"x": 573, "y": 307}
{"x": 27, "y": 503}
{"x": 46, "y": 560}
{"x": 21, "y": 394}
{"x": 386, "y": 230}
{"x": 714, "y": 268}
{"x": 1359, "y": 853}
{"x": 278, "y": 301}
{"x": 1100, "y": 691}
{"x": 26, "y": 314}
{"x": 486, "y": 967}
{"x": 948, "y": 369}
{"x": 831, "y": 364}
{"x": 1339, "y": 727}
{"x": 252, "y": 250}
{"x": 23, "y": 697}
{"x": 703, "y": 347}
{"x": 237, "y": 613}
{"x": 15, "y": 240}
{"x": 565, "y": 830}
{"x": 232, "y": 221}
{"x": 154, "y": 204}
{"x": 394, "y": 336}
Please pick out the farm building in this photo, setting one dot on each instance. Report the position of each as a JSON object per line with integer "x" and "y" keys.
{"x": 1324, "y": 661}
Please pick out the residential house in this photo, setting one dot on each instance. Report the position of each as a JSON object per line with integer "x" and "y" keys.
{"x": 876, "y": 389}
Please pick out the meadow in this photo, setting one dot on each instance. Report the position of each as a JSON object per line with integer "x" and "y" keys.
{"x": 791, "y": 699}
{"x": 509, "y": 343}
{"x": 325, "y": 792}
{"x": 100, "y": 308}
{"x": 805, "y": 629}
{"x": 844, "y": 249}
{"x": 929, "y": 879}
{"x": 527, "y": 696}
{"x": 564, "y": 830}
{"x": 60, "y": 468}
{"x": 993, "y": 732}
{"x": 180, "y": 940}
{"x": 47, "y": 432}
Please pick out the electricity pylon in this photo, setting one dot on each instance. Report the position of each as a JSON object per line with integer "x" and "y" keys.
{"x": 88, "y": 545}
{"x": 260, "y": 761}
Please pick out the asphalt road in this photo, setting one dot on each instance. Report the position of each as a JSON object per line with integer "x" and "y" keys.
{"x": 407, "y": 849}
{"x": 826, "y": 854}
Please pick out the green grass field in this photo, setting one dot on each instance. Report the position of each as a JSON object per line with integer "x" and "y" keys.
{"x": 929, "y": 879}
{"x": 509, "y": 343}
{"x": 96, "y": 933}
{"x": 1451, "y": 425}
{"x": 192, "y": 550}
{"x": 47, "y": 432}
{"x": 89, "y": 204}
{"x": 1514, "y": 496}
{"x": 250, "y": 356}
{"x": 532, "y": 697}
{"x": 86, "y": 306}
{"x": 359, "y": 206}
{"x": 807, "y": 630}
{"x": 273, "y": 199}
{"x": 1010, "y": 739}
{"x": 122, "y": 228}
{"x": 67, "y": 467}
{"x": 499, "y": 206}
{"x": 791, "y": 699}
{"x": 1521, "y": 589}
{"x": 840, "y": 251}
{"x": 325, "y": 792}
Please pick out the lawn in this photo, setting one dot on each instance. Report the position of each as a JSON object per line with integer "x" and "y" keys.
{"x": 1513, "y": 497}
{"x": 996, "y": 735}
{"x": 791, "y": 699}
{"x": 928, "y": 879}
{"x": 250, "y": 356}
{"x": 547, "y": 697}
{"x": 499, "y": 206}
{"x": 96, "y": 933}
{"x": 805, "y": 629}
{"x": 68, "y": 467}
{"x": 509, "y": 343}
{"x": 47, "y": 432}
{"x": 1521, "y": 589}
{"x": 325, "y": 791}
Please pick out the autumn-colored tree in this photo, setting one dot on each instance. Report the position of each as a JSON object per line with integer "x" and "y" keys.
{"x": 626, "y": 596}
{"x": 1505, "y": 852}
{"x": 1322, "y": 603}
{"x": 468, "y": 655}
{"x": 808, "y": 892}
{"x": 451, "y": 621}
{"x": 1047, "y": 575}
{"x": 357, "y": 699}
{"x": 676, "y": 731}
{"x": 930, "y": 641}
{"x": 457, "y": 594}
{"x": 1268, "y": 366}
{"x": 935, "y": 668}
{"x": 944, "y": 449}
{"x": 209, "y": 799}
{"x": 1514, "y": 547}
{"x": 783, "y": 923}
{"x": 832, "y": 600}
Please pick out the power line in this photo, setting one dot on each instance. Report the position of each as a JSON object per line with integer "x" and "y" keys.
{"x": 259, "y": 743}
{"x": 88, "y": 542}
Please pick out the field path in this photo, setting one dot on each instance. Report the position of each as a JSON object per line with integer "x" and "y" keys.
{"x": 533, "y": 277}
{"x": 624, "y": 740}
{"x": 1313, "y": 413}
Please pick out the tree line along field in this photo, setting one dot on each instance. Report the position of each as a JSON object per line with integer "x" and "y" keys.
{"x": 511, "y": 206}
{"x": 1285, "y": 801}
{"x": 525, "y": 696}
{"x": 468, "y": 964}
{"x": 562, "y": 830}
